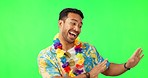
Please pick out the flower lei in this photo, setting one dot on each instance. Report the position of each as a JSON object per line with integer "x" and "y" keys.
{"x": 65, "y": 64}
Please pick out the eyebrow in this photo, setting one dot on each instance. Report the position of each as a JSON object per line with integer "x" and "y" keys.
{"x": 77, "y": 21}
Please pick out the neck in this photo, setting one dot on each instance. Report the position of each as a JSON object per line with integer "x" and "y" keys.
{"x": 65, "y": 45}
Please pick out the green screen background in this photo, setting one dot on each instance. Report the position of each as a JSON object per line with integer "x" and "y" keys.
{"x": 115, "y": 27}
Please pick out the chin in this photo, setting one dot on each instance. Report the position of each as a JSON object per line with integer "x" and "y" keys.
{"x": 70, "y": 41}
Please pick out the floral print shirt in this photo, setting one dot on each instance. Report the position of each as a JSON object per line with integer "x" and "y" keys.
{"x": 50, "y": 67}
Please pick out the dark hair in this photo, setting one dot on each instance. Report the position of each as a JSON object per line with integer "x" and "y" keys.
{"x": 65, "y": 12}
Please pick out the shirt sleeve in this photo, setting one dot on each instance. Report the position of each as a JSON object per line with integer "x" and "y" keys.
{"x": 47, "y": 66}
{"x": 92, "y": 57}
{"x": 99, "y": 58}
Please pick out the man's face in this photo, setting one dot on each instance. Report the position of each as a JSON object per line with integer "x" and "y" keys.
{"x": 70, "y": 28}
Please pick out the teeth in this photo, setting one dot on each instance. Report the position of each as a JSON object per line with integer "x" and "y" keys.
{"x": 73, "y": 33}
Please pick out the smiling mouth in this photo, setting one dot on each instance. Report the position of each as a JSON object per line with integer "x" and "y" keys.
{"x": 73, "y": 34}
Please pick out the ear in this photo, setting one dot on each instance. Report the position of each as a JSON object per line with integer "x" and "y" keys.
{"x": 60, "y": 23}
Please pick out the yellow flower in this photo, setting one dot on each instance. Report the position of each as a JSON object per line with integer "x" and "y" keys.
{"x": 60, "y": 53}
{"x": 77, "y": 41}
{"x": 79, "y": 55}
{"x": 71, "y": 74}
{"x": 81, "y": 61}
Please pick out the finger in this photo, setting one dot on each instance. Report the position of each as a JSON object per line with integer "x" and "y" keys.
{"x": 140, "y": 52}
{"x": 136, "y": 53}
{"x": 141, "y": 56}
{"x": 104, "y": 62}
{"x": 103, "y": 68}
{"x": 101, "y": 62}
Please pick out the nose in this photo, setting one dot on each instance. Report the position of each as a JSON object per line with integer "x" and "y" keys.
{"x": 77, "y": 28}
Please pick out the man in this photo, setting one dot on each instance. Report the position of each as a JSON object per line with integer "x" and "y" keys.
{"x": 68, "y": 57}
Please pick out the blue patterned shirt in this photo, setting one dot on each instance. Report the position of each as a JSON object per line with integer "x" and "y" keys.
{"x": 50, "y": 67}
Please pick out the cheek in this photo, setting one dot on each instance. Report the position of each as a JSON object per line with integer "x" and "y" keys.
{"x": 79, "y": 31}
{"x": 65, "y": 29}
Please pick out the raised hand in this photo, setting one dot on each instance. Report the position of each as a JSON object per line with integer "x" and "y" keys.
{"x": 98, "y": 69}
{"x": 135, "y": 58}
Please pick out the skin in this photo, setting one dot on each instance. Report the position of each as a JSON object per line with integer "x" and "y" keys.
{"x": 73, "y": 23}
{"x": 132, "y": 62}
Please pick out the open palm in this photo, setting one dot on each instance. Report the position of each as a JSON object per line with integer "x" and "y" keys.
{"x": 135, "y": 58}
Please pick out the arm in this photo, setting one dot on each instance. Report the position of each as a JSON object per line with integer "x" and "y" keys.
{"x": 117, "y": 69}
{"x": 93, "y": 73}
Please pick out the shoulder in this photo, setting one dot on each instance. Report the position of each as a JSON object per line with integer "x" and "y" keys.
{"x": 87, "y": 46}
{"x": 90, "y": 50}
{"x": 46, "y": 52}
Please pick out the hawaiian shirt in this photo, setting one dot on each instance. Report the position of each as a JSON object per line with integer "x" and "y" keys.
{"x": 50, "y": 67}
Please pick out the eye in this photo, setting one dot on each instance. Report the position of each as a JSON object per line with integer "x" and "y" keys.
{"x": 80, "y": 26}
{"x": 73, "y": 23}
